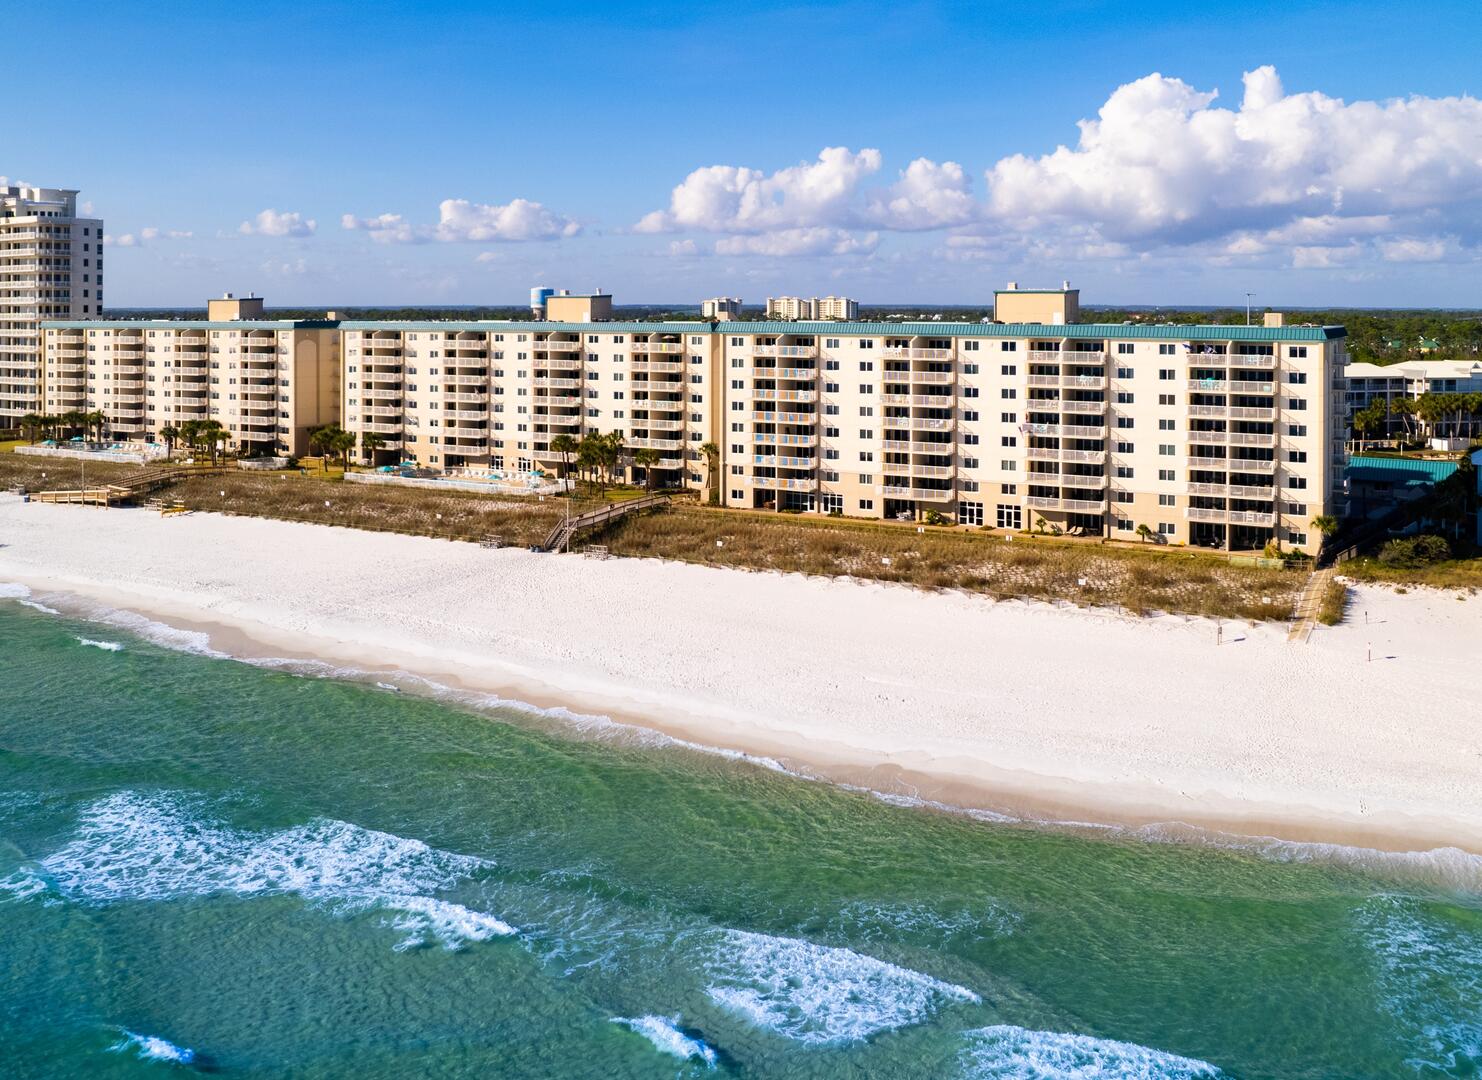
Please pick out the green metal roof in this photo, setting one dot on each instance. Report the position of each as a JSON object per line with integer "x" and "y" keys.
{"x": 1048, "y": 331}
{"x": 1399, "y": 470}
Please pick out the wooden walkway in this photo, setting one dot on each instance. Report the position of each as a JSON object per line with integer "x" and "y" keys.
{"x": 126, "y": 487}
{"x": 561, "y": 536}
{"x": 1305, "y": 617}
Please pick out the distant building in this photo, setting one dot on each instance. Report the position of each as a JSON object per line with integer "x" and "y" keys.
{"x": 565, "y": 306}
{"x": 797, "y": 308}
{"x": 721, "y": 308}
{"x": 234, "y": 308}
{"x": 1053, "y": 307}
{"x": 51, "y": 267}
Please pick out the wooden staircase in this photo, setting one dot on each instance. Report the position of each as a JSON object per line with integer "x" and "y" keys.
{"x": 561, "y": 536}
{"x": 128, "y": 486}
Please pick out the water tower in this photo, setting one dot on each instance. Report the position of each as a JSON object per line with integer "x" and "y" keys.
{"x": 538, "y": 296}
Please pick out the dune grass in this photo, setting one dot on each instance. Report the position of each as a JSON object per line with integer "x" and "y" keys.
{"x": 1463, "y": 574}
{"x": 1039, "y": 568}
{"x": 1333, "y": 603}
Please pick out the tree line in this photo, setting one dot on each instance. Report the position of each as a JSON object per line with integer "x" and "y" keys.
{"x": 1430, "y": 415}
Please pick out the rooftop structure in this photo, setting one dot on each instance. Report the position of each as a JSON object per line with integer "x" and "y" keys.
{"x": 1052, "y": 306}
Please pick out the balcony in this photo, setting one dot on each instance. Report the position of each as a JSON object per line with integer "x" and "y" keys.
{"x": 783, "y": 462}
{"x": 1051, "y": 381}
{"x": 932, "y": 378}
{"x": 931, "y": 470}
{"x": 768, "y": 416}
{"x": 653, "y": 404}
{"x": 798, "y": 374}
{"x": 1252, "y": 361}
{"x": 553, "y": 345}
{"x": 1208, "y": 386}
{"x": 558, "y": 384}
{"x": 916, "y": 354}
{"x": 939, "y": 449}
{"x": 670, "y": 367}
{"x": 1241, "y": 412}
{"x": 451, "y": 379}
{"x": 557, "y": 363}
{"x": 1199, "y": 513}
{"x": 924, "y": 423}
{"x": 1248, "y": 387}
{"x": 472, "y": 398}
{"x": 1083, "y": 407}
{"x": 764, "y": 438}
{"x": 1252, "y": 465}
{"x": 658, "y": 425}
{"x": 785, "y": 350}
{"x": 657, "y": 444}
{"x": 670, "y": 347}
{"x": 804, "y": 396}
{"x": 1083, "y": 382}
{"x": 380, "y": 410}
{"x": 1247, "y": 517}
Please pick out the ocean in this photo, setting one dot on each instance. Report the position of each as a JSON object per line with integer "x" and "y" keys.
{"x": 287, "y": 871}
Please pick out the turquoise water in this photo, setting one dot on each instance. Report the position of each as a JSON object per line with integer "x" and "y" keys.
{"x": 211, "y": 866}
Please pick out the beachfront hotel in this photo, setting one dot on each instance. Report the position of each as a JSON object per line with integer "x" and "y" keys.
{"x": 268, "y": 382}
{"x": 1222, "y": 436}
{"x": 51, "y": 267}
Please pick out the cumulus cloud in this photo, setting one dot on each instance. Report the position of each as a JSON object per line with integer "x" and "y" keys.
{"x": 145, "y": 236}
{"x": 927, "y": 196}
{"x": 462, "y": 220}
{"x": 1161, "y": 165}
{"x": 273, "y": 223}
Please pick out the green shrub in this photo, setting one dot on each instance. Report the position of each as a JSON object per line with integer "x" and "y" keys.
{"x": 1415, "y": 551}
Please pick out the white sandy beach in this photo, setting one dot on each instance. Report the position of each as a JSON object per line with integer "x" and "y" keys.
{"x": 1012, "y": 706}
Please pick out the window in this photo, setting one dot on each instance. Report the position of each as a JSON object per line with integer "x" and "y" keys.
{"x": 1008, "y": 418}
{"x": 968, "y": 438}
{"x": 866, "y": 434}
{"x": 969, "y": 391}
{"x": 970, "y": 346}
{"x": 866, "y": 343}
{"x": 1296, "y": 455}
{"x": 1125, "y": 524}
{"x": 1165, "y": 399}
{"x": 1008, "y": 440}
{"x": 1124, "y": 472}
{"x": 1297, "y": 352}
{"x": 969, "y": 463}
{"x": 1008, "y": 517}
{"x": 1124, "y": 373}
{"x": 1008, "y": 346}
{"x": 1124, "y": 397}
{"x": 1165, "y": 528}
{"x": 1122, "y": 496}
{"x": 866, "y": 410}
{"x": 970, "y": 513}
{"x": 970, "y": 369}
{"x": 828, "y": 365}
{"x": 866, "y": 455}
{"x": 867, "y": 504}
{"x": 1296, "y": 482}
{"x": 831, "y": 343}
{"x": 1009, "y": 466}
{"x": 1166, "y": 450}
{"x": 969, "y": 414}
{"x": 1296, "y": 378}
{"x": 1008, "y": 393}
{"x": 1125, "y": 448}
{"x": 833, "y": 503}
{"x": 1298, "y": 538}
{"x": 1298, "y": 430}
{"x": 1008, "y": 369}
{"x": 1297, "y": 404}
{"x": 1167, "y": 474}
{"x": 867, "y": 365}
{"x": 1165, "y": 500}
{"x": 866, "y": 388}
{"x": 831, "y": 388}
{"x": 1009, "y": 489}
{"x": 1167, "y": 425}
{"x": 1167, "y": 350}
{"x": 1124, "y": 348}
{"x": 1167, "y": 374}
{"x": 1125, "y": 422}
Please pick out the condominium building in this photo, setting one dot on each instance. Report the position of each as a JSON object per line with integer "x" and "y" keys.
{"x": 499, "y": 394}
{"x": 721, "y": 308}
{"x": 1223, "y": 436}
{"x": 797, "y": 307}
{"x": 268, "y": 382}
{"x": 51, "y": 267}
{"x": 1370, "y": 382}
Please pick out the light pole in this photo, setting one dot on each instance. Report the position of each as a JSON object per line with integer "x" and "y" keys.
{"x": 1247, "y": 308}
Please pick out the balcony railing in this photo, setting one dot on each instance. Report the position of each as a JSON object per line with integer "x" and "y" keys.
{"x": 916, "y": 354}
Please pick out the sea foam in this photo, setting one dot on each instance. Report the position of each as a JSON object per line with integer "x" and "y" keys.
{"x": 1429, "y": 977}
{"x": 817, "y": 994}
{"x": 666, "y": 1037}
{"x": 1005, "y": 1052}
{"x": 153, "y": 1048}
{"x": 106, "y": 646}
{"x": 131, "y": 846}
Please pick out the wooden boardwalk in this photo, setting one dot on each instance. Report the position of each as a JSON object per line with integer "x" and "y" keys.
{"x": 561, "y": 536}
{"x": 1304, "y": 619}
{"x": 126, "y": 487}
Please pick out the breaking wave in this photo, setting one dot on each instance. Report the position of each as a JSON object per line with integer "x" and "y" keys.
{"x": 106, "y": 646}
{"x": 153, "y": 1048}
{"x": 1005, "y": 1052}
{"x": 131, "y": 846}
{"x": 817, "y": 994}
{"x": 666, "y": 1037}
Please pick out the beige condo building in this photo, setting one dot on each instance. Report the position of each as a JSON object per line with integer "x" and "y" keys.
{"x": 51, "y": 267}
{"x": 268, "y": 382}
{"x": 1223, "y": 436}
{"x": 798, "y": 307}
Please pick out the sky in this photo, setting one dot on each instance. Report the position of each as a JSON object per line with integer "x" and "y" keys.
{"x": 1311, "y": 154}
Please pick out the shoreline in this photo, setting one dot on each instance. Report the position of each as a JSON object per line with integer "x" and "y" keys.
{"x": 888, "y": 757}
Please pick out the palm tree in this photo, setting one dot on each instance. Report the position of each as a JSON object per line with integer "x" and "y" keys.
{"x": 169, "y": 433}
{"x": 370, "y": 442}
{"x": 566, "y": 446}
{"x": 342, "y": 442}
{"x": 614, "y": 453}
{"x": 647, "y": 459}
{"x": 319, "y": 440}
{"x": 71, "y": 420}
{"x": 1144, "y": 533}
{"x": 1326, "y": 524}
{"x": 712, "y": 469}
{"x": 32, "y": 425}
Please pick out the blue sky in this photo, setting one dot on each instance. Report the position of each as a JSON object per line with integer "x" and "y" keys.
{"x": 459, "y": 153}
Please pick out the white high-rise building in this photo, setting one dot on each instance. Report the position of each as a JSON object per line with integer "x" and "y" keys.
{"x": 51, "y": 267}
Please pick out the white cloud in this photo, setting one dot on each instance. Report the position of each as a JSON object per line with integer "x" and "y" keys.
{"x": 735, "y": 199}
{"x": 294, "y": 268}
{"x": 683, "y": 247}
{"x": 144, "y": 236}
{"x": 1161, "y": 165}
{"x": 785, "y": 242}
{"x": 927, "y": 196}
{"x": 461, "y": 220}
{"x": 272, "y": 223}
{"x": 1420, "y": 249}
